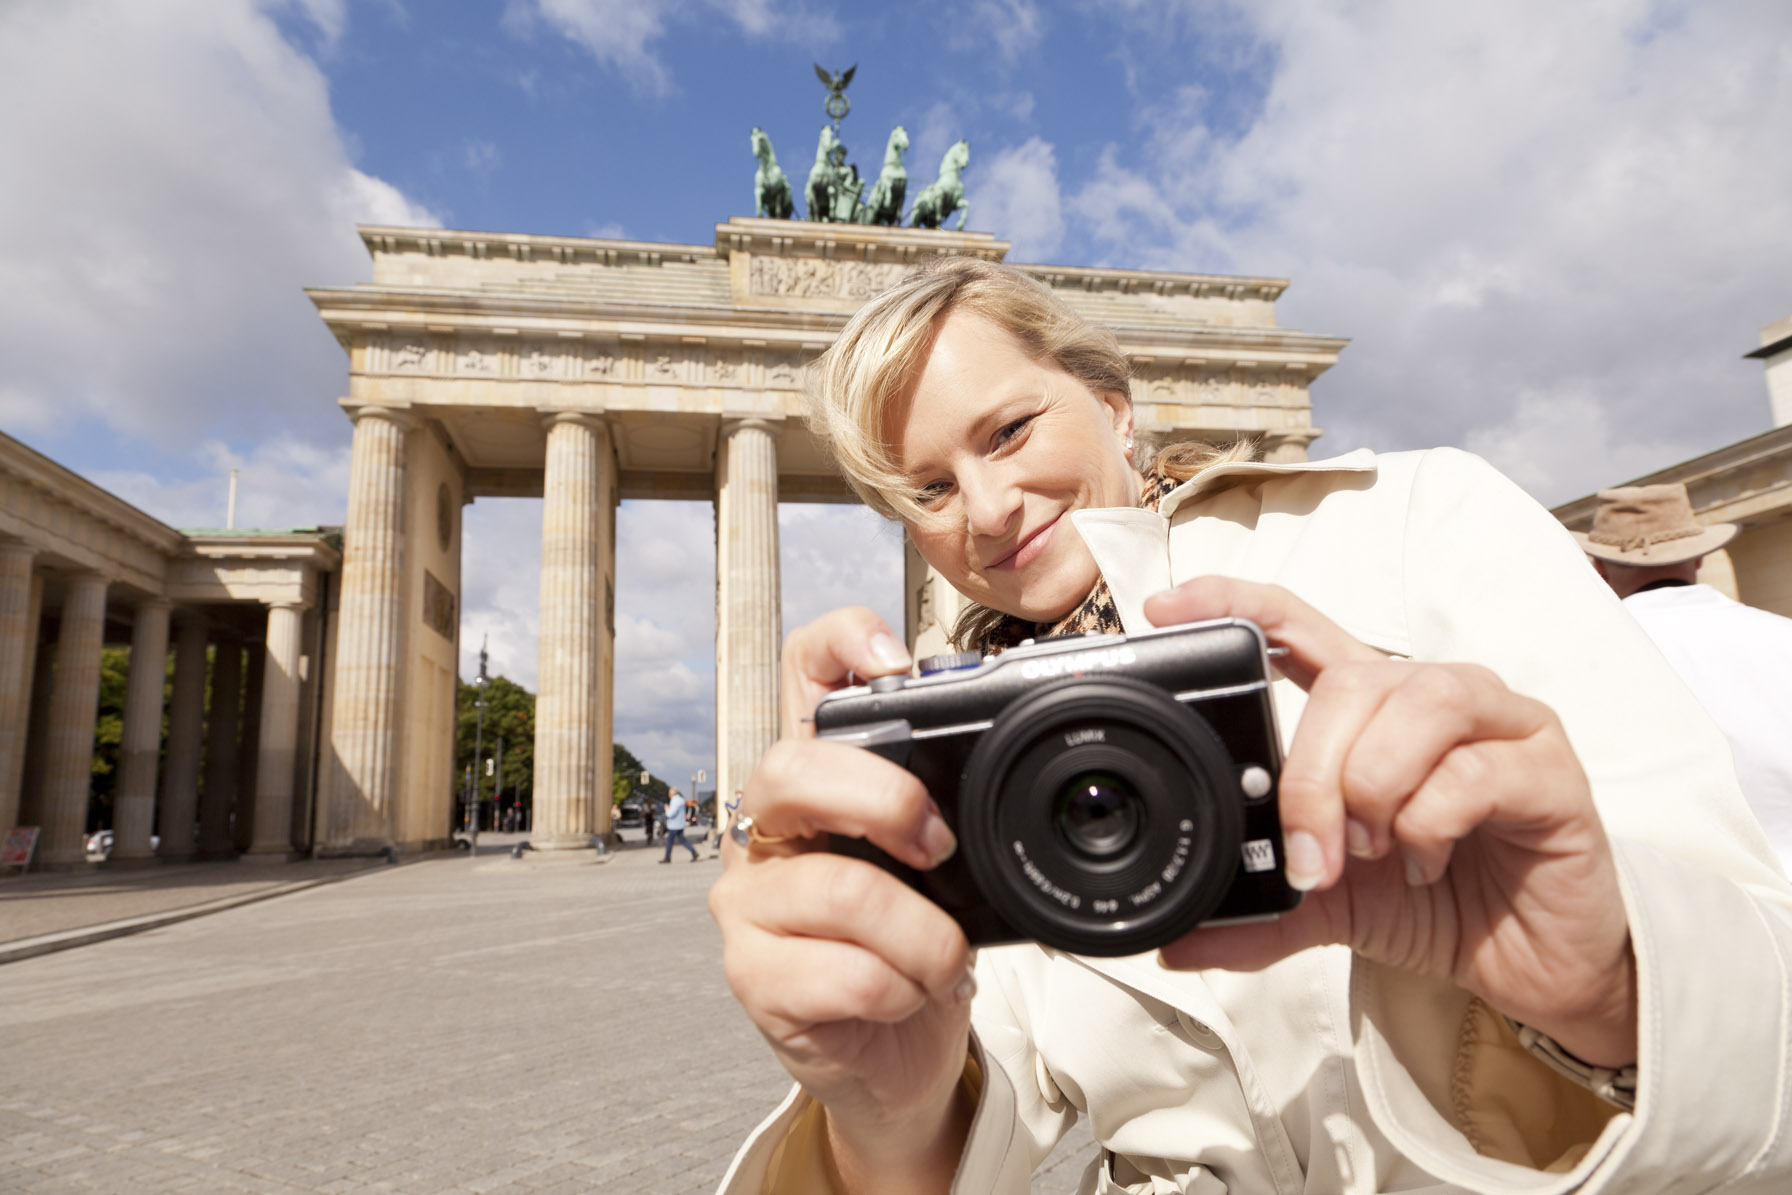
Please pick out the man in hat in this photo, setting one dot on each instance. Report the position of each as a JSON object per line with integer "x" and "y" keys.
{"x": 1737, "y": 660}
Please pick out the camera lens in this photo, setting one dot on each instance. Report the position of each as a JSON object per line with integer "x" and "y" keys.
{"x": 1099, "y": 814}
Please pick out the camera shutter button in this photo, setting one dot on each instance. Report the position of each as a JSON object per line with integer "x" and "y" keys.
{"x": 888, "y": 684}
{"x": 1255, "y": 781}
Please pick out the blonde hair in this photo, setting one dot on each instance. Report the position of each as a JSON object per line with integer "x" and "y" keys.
{"x": 880, "y": 352}
{"x": 878, "y": 356}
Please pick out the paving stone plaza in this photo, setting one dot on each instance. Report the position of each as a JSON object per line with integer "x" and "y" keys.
{"x": 452, "y": 1024}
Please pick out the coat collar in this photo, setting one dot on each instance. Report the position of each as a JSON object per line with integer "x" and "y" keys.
{"x": 1222, "y": 477}
{"x": 1131, "y": 545}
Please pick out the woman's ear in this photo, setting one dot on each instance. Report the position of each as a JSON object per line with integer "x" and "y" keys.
{"x": 1119, "y": 408}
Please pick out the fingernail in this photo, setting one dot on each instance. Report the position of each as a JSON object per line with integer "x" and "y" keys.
{"x": 1415, "y": 872}
{"x": 937, "y": 840}
{"x": 1356, "y": 839}
{"x": 889, "y": 653}
{"x": 1305, "y": 861}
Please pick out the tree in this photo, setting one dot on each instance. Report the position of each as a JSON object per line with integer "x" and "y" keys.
{"x": 510, "y": 719}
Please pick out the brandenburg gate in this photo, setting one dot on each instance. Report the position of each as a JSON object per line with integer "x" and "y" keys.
{"x": 584, "y": 371}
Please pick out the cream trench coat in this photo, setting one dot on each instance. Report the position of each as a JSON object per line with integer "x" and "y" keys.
{"x": 1327, "y": 1073}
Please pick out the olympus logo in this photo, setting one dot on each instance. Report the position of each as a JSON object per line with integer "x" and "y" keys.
{"x": 1078, "y": 661}
{"x": 1077, "y": 738}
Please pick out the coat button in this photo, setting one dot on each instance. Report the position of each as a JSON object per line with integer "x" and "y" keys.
{"x": 1048, "y": 1086}
{"x": 1198, "y": 1033}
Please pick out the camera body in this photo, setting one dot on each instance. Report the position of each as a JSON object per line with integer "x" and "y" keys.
{"x": 1109, "y": 792}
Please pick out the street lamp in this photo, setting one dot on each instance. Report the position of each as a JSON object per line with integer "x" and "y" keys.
{"x": 478, "y": 749}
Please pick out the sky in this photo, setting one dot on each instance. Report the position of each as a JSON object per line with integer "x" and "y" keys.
{"x": 1550, "y": 231}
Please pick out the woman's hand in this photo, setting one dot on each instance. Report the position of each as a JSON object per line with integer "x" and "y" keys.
{"x": 1442, "y": 825}
{"x": 861, "y": 985}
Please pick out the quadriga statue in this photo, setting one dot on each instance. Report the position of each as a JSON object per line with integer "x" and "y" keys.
{"x": 945, "y": 195}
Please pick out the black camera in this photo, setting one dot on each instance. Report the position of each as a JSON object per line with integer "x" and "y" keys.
{"x": 1109, "y": 792}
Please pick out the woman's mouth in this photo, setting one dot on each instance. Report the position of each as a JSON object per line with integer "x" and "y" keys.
{"x": 1029, "y": 549}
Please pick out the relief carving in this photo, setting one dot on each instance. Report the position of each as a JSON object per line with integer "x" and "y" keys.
{"x": 725, "y": 369}
{"x": 477, "y": 361}
{"x": 815, "y": 278}
{"x": 539, "y": 362}
{"x": 603, "y": 364}
{"x": 409, "y": 355}
{"x": 438, "y": 607}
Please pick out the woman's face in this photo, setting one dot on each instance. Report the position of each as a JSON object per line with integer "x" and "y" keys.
{"x": 1002, "y": 448}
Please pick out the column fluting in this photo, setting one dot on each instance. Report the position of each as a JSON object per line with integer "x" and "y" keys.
{"x": 140, "y": 747}
{"x": 366, "y": 721}
{"x": 74, "y": 706}
{"x": 178, "y": 810}
{"x": 572, "y": 718}
{"x": 18, "y": 640}
{"x": 221, "y": 724}
{"x": 749, "y": 634}
{"x": 279, "y": 737}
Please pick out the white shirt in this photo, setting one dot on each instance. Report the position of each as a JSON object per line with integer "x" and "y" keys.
{"x": 1737, "y": 660}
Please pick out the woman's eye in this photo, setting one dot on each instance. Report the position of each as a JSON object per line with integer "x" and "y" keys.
{"x": 931, "y": 493}
{"x": 1012, "y": 430}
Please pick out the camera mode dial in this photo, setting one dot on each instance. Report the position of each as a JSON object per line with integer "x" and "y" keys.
{"x": 949, "y": 662}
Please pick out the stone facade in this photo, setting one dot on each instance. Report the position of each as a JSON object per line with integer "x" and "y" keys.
{"x": 80, "y": 569}
{"x": 587, "y": 371}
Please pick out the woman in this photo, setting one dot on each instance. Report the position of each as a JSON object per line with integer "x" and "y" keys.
{"x": 1534, "y": 898}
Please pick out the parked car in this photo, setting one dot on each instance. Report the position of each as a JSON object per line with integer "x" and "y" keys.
{"x": 99, "y": 844}
{"x": 628, "y": 814}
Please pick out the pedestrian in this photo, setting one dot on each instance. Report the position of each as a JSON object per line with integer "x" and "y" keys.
{"x": 676, "y": 812}
{"x": 722, "y": 823}
{"x": 1737, "y": 660}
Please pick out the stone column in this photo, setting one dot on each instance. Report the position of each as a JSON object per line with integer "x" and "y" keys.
{"x": 572, "y": 714}
{"x": 749, "y": 628}
{"x": 74, "y": 705}
{"x": 18, "y": 642}
{"x": 179, "y": 805}
{"x": 279, "y": 737}
{"x": 219, "y": 793}
{"x": 366, "y": 723}
{"x": 134, "y": 806}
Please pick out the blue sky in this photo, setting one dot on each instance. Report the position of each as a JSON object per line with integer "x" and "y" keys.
{"x": 1550, "y": 231}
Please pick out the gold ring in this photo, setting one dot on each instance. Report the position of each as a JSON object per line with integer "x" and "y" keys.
{"x": 744, "y": 832}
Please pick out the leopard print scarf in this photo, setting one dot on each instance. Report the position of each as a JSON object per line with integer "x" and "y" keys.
{"x": 1094, "y": 615}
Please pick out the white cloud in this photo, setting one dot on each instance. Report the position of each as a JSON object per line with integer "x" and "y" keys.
{"x": 621, "y": 34}
{"x": 1013, "y": 27}
{"x": 175, "y": 178}
{"x": 1511, "y": 209}
{"x": 281, "y": 483}
{"x": 1017, "y": 197}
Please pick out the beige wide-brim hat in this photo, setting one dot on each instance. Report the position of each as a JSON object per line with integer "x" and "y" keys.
{"x": 1649, "y": 526}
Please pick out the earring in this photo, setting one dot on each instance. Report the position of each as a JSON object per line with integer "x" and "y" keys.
{"x": 1129, "y": 443}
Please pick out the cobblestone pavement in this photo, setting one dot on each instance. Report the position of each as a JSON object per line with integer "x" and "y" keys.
{"x": 454, "y": 1024}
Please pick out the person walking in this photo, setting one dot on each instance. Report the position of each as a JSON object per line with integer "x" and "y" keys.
{"x": 675, "y": 824}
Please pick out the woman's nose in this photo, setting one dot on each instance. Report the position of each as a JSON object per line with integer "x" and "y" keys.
{"x": 991, "y": 503}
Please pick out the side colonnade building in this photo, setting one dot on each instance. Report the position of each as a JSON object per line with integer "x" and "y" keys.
{"x": 584, "y": 371}
{"x": 81, "y": 569}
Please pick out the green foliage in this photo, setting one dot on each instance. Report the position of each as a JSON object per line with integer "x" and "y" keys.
{"x": 108, "y": 730}
{"x": 625, "y": 776}
{"x": 510, "y": 717}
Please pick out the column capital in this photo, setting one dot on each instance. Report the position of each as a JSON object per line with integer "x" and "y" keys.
{"x": 154, "y": 603}
{"x": 14, "y": 549}
{"x": 300, "y": 605}
{"x": 592, "y": 419}
{"x": 771, "y": 425}
{"x": 401, "y": 417}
